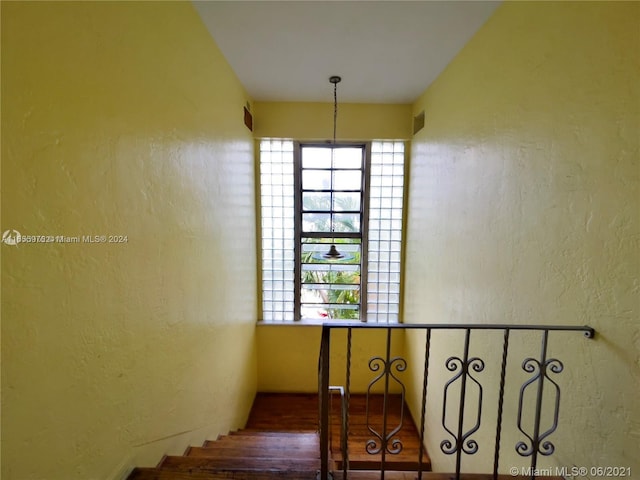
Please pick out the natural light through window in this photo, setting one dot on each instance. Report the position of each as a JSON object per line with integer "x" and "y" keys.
{"x": 332, "y": 217}
{"x": 277, "y": 216}
{"x": 386, "y": 201}
{"x": 331, "y": 231}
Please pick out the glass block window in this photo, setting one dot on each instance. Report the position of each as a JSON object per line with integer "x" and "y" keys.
{"x": 386, "y": 202}
{"x": 277, "y": 229}
{"x": 315, "y": 198}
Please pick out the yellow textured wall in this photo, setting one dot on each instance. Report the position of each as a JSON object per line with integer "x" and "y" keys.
{"x": 122, "y": 118}
{"x": 314, "y": 121}
{"x": 288, "y": 357}
{"x": 524, "y": 208}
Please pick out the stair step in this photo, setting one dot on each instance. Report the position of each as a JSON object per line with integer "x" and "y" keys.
{"x": 375, "y": 475}
{"x": 241, "y": 451}
{"x": 257, "y": 432}
{"x": 359, "y": 459}
{"x": 310, "y": 441}
{"x": 168, "y": 474}
{"x": 156, "y": 474}
{"x": 395, "y": 466}
{"x": 273, "y": 411}
{"x": 234, "y": 463}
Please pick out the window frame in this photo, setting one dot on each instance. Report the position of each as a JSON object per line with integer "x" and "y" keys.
{"x": 384, "y": 202}
{"x": 297, "y": 224}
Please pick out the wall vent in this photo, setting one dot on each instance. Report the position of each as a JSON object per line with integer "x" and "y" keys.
{"x": 418, "y": 122}
{"x": 248, "y": 119}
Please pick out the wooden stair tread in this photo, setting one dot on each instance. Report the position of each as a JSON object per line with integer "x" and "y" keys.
{"x": 254, "y": 447}
{"x": 310, "y": 439}
{"x": 375, "y": 475}
{"x": 155, "y": 474}
{"x": 270, "y": 433}
{"x": 248, "y": 452}
{"x": 168, "y": 474}
{"x": 296, "y": 411}
{"x": 235, "y": 463}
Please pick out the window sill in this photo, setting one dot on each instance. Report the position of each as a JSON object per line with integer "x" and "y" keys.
{"x": 300, "y": 323}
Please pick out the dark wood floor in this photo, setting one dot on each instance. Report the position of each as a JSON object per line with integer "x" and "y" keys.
{"x": 299, "y": 412}
{"x": 284, "y": 411}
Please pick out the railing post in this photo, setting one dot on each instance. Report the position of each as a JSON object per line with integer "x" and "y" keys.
{"x": 539, "y": 396}
{"x": 463, "y": 393}
{"x": 324, "y": 402}
{"x": 423, "y": 415}
{"x": 503, "y": 374}
{"x": 345, "y": 431}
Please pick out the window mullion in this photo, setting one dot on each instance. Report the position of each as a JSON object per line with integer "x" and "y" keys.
{"x": 297, "y": 226}
{"x": 364, "y": 213}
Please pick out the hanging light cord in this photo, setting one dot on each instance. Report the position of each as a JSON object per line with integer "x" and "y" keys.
{"x": 335, "y": 121}
{"x": 335, "y": 79}
{"x": 335, "y": 110}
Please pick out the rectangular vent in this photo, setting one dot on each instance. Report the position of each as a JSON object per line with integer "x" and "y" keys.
{"x": 248, "y": 119}
{"x": 418, "y": 122}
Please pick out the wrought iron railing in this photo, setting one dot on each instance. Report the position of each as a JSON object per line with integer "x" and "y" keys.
{"x": 344, "y": 413}
{"x": 464, "y": 369}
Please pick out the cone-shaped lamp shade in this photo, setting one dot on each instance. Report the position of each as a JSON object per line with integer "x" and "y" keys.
{"x": 333, "y": 254}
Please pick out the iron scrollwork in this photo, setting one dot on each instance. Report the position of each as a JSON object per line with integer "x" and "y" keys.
{"x": 537, "y": 443}
{"x": 385, "y": 441}
{"x": 461, "y": 441}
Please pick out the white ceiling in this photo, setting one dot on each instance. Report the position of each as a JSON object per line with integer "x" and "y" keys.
{"x": 385, "y": 51}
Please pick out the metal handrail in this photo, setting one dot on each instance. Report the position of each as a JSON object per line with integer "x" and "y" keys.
{"x": 464, "y": 369}
{"x": 588, "y": 331}
{"x": 344, "y": 449}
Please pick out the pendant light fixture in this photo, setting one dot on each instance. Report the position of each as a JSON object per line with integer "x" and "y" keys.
{"x": 333, "y": 253}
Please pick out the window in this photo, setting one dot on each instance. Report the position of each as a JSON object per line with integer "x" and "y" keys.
{"x": 331, "y": 231}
